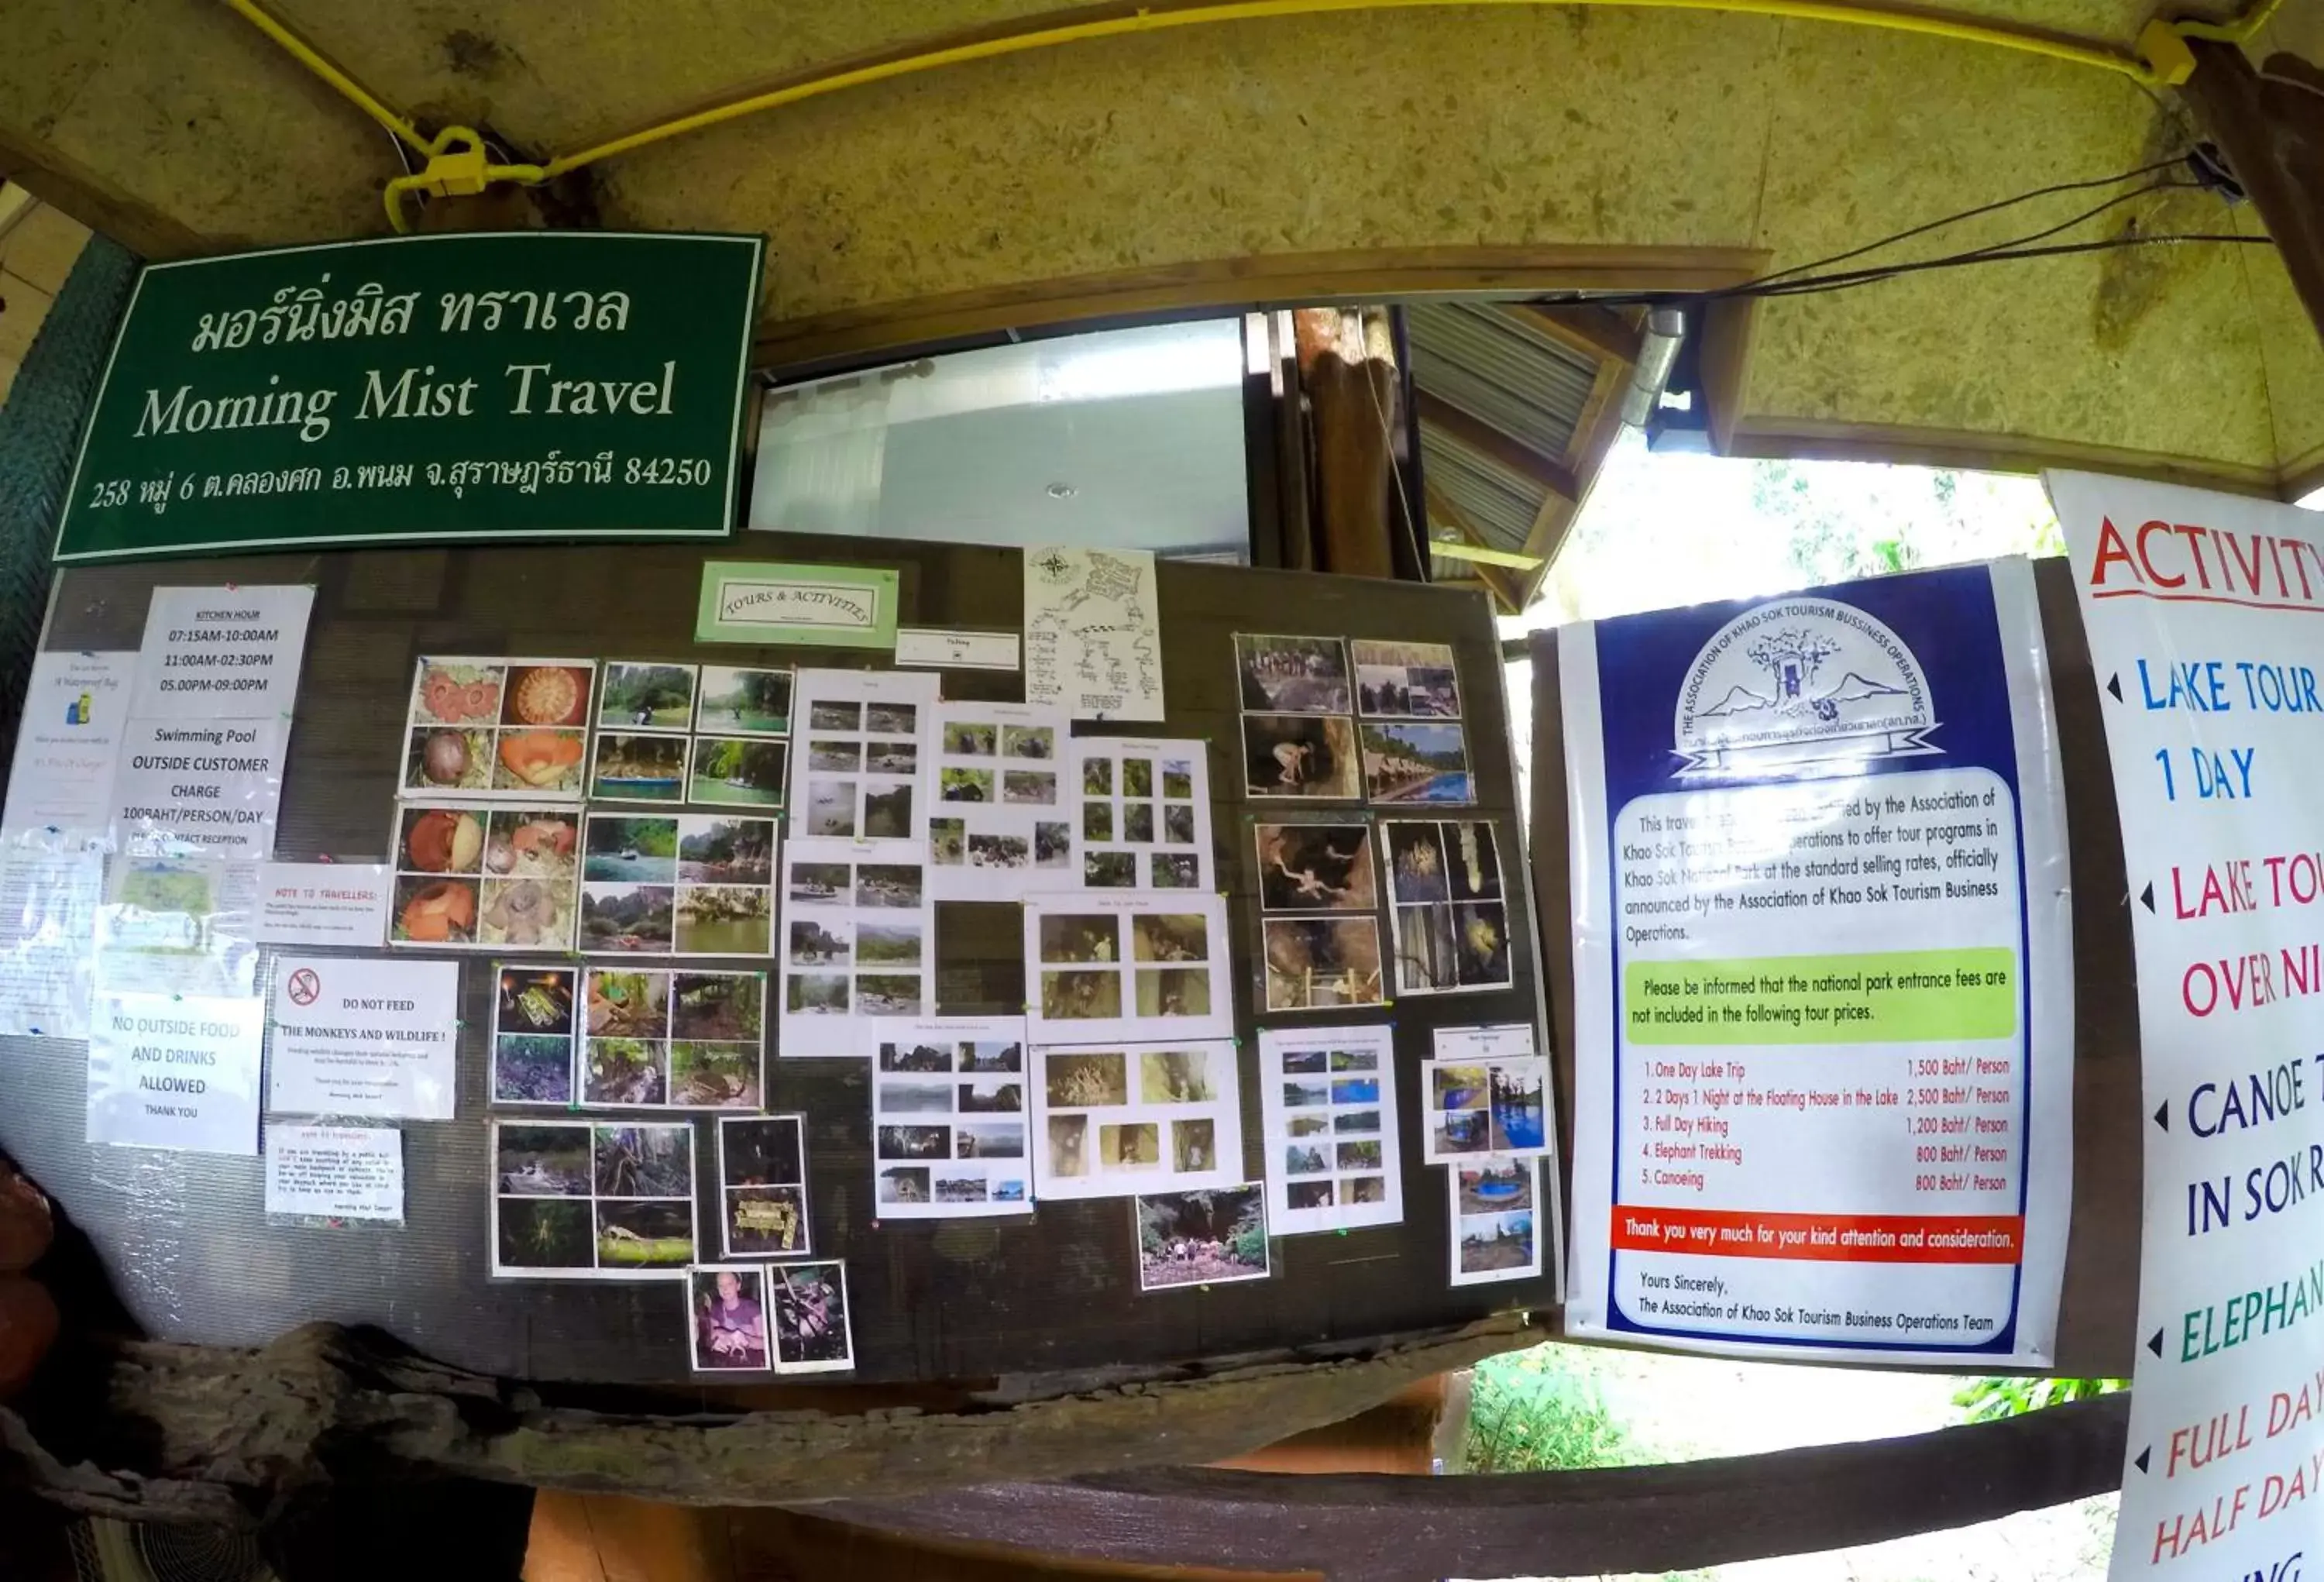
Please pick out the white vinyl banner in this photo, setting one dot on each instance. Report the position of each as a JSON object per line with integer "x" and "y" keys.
{"x": 2198, "y": 609}
{"x": 1824, "y": 1007}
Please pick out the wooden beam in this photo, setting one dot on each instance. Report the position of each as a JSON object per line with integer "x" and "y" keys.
{"x": 1482, "y": 438}
{"x": 2271, "y": 131}
{"x": 1358, "y": 1527}
{"x": 77, "y": 191}
{"x": 1824, "y": 438}
{"x": 1729, "y": 327}
{"x": 1505, "y": 589}
{"x": 1595, "y": 332}
{"x": 1290, "y": 280}
{"x": 216, "y": 1435}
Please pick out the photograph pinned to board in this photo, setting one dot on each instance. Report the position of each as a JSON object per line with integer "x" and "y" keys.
{"x": 737, "y": 771}
{"x": 1315, "y": 867}
{"x": 1417, "y": 761}
{"x": 1143, "y": 815}
{"x": 1485, "y": 1092}
{"x": 859, "y": 740}
{"x": 1209, "y": 1237}
{"x": 812, "y": 1332}
{"x": 1000, "y": 817}
{"x": 654, "y": 1038}
{"x": 949, "y": 1118}
{"x": 1496, "y": 1227}
{"x": 640, "y": 694}
{"x": 536, "y": 1024}
{"x": 1321, "y": 962}
{"x": 592, "y": 1201}
{"x": 1305, "y": 757}
{"x": 1405, "y": 680}
{"x": 499, "y": 730}
{"x": 763, "y": 1186}
{"x": 857, "y": 943}
{"x": 1127, "y": 964}
{"x": 484, "y": 878}
{"x": 1293, "y": 675}
{"x": 628, "y": 766}
{"x": 727, "y": 1318}
{"x": 1112, "y": 1120}
{"x": 1327, "y": 1103}
{"x": 677, "y": 884}
{"x": 1448, "y": 909}
{"x": 743, "y": 701}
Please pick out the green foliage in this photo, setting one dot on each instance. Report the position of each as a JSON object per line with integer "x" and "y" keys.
{"x": 1987, "y": 1399}
{"x": 1248, "y": 1239}
{"x": 1540, "y": 1410}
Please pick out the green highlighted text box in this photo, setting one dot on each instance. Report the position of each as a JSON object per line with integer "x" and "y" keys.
{"x": 1889, "y": 996}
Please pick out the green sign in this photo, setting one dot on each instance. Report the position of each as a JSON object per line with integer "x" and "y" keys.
{"x": 767, "y": 602}
{"x": 464, "y": 388}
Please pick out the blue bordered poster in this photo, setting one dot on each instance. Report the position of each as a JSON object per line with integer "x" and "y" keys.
{"x": 1824, "y": 1039}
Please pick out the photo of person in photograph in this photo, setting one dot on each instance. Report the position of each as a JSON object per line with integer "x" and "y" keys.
{"x": 1314, "y": 867}
{"x": 744, "y": 702}
{"x": 730, "y": 1319}
{"x": 1406, "y": 680}
{"x": 1201, "y": 1238}
{"x": 1302, "y": 755}
{"x": 811, "y": 1331}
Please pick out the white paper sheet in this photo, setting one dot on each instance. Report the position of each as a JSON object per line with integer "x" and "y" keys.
{"x": 1093, "y": 633}
{"x": 1127, "y": 964}
{"x": 536, "y": 1022}
{"x": 1448, "y": 912}
{"x": 1141, "y": 813}
{"x": 1496, "y": 1219}
{"x": 762, "y": 1207}
{"x": 178, "y": 922}
{"x": 175, "y": 1071}
{"x": 335, "y": 1173}
{"x": 858, "y": 946}
{"x": 470, "y": 877}
{"x": 2200, "y": 611}
{"x": 1319, "y": 930}
{"x": 1328, "y": 1097}
{"x": 949, "y": 1119}
{"x": 323, "y": 903}
{"x": 48, "y": 933}
{"x": 860, "y": 748}
{"x": 1114, "y": 1120}
{"x": 999, "y": 822}
{"x": 61, "y": 777}
{"x": 931, "y": 649}
{"x": 221, "y": 652}
{"x": 211, "y": 783}
{"x": 363, "y": 1037}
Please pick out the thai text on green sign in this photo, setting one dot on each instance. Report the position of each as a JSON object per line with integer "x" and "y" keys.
{"x": 473, "y": 387}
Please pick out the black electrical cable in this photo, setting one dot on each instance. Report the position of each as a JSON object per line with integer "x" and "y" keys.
{"x": 1844, "y": 281}
{"x": 1769, "y": 286}
{"x": 1935, "y": 225}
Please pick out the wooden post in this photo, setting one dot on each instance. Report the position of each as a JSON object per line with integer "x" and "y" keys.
{"x": 2271, "y": 128}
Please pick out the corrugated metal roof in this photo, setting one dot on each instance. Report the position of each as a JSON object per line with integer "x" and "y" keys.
{"x": 1510, "y": 375}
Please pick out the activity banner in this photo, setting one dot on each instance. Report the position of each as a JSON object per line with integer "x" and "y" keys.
{"x": 449, "y": 388}
{"x": 2198, "y": 609}
{"x": 1824, "y": 998}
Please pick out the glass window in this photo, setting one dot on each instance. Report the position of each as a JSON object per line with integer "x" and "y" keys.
{"x": 1131, "y": 438}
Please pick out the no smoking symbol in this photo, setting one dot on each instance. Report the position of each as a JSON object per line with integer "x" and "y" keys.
{"x": 304, "y": 986}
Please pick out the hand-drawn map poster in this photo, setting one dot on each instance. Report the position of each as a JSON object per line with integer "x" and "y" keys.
{"x": 1092, "y": 633}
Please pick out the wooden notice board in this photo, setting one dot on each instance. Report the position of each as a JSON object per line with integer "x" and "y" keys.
{"x": 183, "y": 1235}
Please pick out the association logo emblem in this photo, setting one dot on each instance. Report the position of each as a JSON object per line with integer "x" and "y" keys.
{"x": 1805, "y": 685}
{"x": 304, "y": 987}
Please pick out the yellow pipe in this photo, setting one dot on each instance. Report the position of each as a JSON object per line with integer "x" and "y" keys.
{"x": 322, "y": 66}
{"x": 1966, "y": 30}
{"x": 2240, "y": 30}
{"x": 1959, "y": 28}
